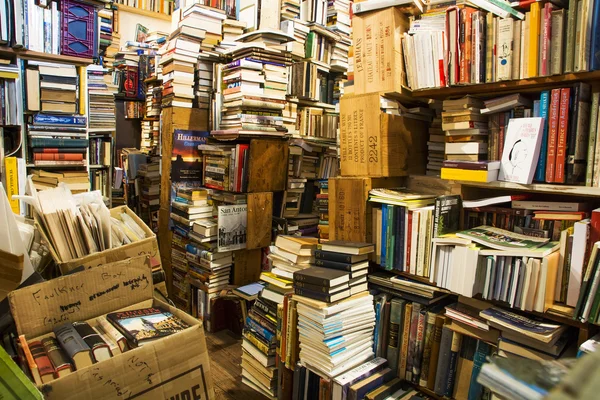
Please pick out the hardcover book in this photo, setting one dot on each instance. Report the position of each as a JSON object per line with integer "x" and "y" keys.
{"x": 145, "y": 325}
{"x": 322, "y": 276}
{"x": 74, "y": 345}
{"x": 521, "y": 150}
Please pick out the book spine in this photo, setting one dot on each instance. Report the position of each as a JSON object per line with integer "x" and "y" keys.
{"x": 534, "y": 40}
{"x": 546, "y": 37}
{"x": 47, "y": 119}
{"x": 461, "y": 47}
{"x": 384, "y": 230}
{"x": 454, "y": 351}
{"x": 331, "y": 256}
{"x": 552, "y": 135}
{"x": 265, "y": 333}
{"x": 405, "y": 340}
{"x": 594, "y": 63}
{"x": 333, "y": 264}
{"x": 443, "y": 362}
{"x": 414, "y": 323}
{"x": 435, "y": 351}
{"x": 589, "y": 173}
{"x": 419, "y": 345}
{"x": 505, "y": 47}
{"x": 396, "y": 309}
{"x": 312, "y": 294}
{"x": 557, "y": 42}
{"x": 390, "y": 238}
{"x": 408, "y": 241}
{"x": 475, "y": 388}
{"x": 489, "y": 45}
{"x": 570, "y": 45}
{"x": 11, "y": 180}
{"x": 41, "y": 358}
{"x": 540, "y": 172}
{"x": 311, "y": 288}
{"x": 561, "y": 141}
{"x": 262, "y": 347}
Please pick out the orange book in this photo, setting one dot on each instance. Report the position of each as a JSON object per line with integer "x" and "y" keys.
{"x": 466, "y": 23}
{"x": 58, "y": 156}
{"x": 30, "y": 361}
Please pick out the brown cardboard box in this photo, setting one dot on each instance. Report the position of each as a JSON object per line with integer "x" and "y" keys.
{"x": 376, "y": 144}
{"x": 378, "y": 56}
{"x": 147, "y": 246}
{"x": 176, "y": 366}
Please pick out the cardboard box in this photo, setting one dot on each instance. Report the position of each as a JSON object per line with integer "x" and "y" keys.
{"x": 378, "y": 55}
{"x": 376, "y": 144}
{"x": 176, "y": 366}
{"x": 147, "y": 246}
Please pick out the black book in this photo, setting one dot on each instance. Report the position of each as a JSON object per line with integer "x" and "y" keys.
{"x": 452, "y": 365}
{"x": 321, "y": 276}
{"x": 100, "y": 350}
{"x": 349, "y": 267}
{"x": 299, "y": 378}
{"x": 322, "y": 289}
{"x": 342, "y": 246}
{"x": 446, "y": 215}
{"x": 339, "y": 257}
{"x": 266, "y": 307}
{"x": 327, "y": 298}
{"x": 443, "y": 365}
{"x": 59, "y": 79}
{"x": 314, "y": 382}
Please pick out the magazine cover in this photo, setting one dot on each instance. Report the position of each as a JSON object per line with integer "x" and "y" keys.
{"x": 232, "y": 222}
{"x": 146, "y": 324}
{"x": 186, "y": 161}
{"x": 501, "y": 239}
{"x": 521, "y": 150}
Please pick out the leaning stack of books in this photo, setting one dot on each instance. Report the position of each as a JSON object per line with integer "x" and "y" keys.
{"x": 291, "y": 254}
{"x": 349, "y": 257}
{"x": 105, "y": 24}
{"x": 210, "y": 19}
{"x": 259, "y": 348}
{"x": 349, "y": 321}
{"x": 435, "y": 145}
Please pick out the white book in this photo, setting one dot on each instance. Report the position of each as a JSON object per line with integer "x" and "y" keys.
{"x": 580, "y": 235}
{"x": 466, "y": 148}
{"x": 504, "y": 49}
{"x": 414, "y": 241}
{"x": 516, "y": 52}
{"x": 524, "y": 47}
{"x": 521, "y": 150}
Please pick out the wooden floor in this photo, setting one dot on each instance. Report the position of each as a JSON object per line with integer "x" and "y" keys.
{"x": 225, "y": 353}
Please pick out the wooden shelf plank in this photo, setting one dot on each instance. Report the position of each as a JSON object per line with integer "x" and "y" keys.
{"x": 569, "y": 190}
{"x": 495, "y": 88}
{"x": 146, "y": 13}
{"x": 35, "y": 55}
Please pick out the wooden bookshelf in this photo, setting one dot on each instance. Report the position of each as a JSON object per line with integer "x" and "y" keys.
{"x": 146, "y": 13}
{"x": 35, "y": 55}
{"x": 568, "y": 190}
{"x": 497, "y": 88}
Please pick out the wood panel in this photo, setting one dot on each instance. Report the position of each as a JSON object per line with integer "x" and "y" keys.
{"x": 246, "y": 266}
{"x": 260, "y": 218}
{"x": 172, "y": 118}
{"x": 268, "y": 165}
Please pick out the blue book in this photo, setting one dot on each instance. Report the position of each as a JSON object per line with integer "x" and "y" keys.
{"x": 48, "y": 119}
{"x": 376, "y": 329}
{"x": 595, "y": 39}
{"x": 384, "y": 218}
{"x": 475, "y": 388}
{"x": 259, "y": 329}
{"x": 540, "y": 171}
{"x": 536, "y": 108}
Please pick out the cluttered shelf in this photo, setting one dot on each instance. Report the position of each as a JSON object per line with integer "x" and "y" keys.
{"x": 537, "y": 188}
{"x": 495, "y": 88}
{"x": 36, "y": 55}
{"x": 146, "y": 13}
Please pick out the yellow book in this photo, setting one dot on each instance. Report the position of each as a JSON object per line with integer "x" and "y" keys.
{"x": 12, "y": 182}
{"x": 9, "y": 75}
{"x": 270, "y": 277}
{"x": 82, "y": 90}
{"x": 534, "y": 40}
{"x": 469, "y": 175}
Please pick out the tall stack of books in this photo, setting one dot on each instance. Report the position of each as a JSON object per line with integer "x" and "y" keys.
{"x": 76, "y": 181}
{"x": 338, "y": 20}
{"x": 203, "y": 87}
{"x": 112, "y": 50}
{"x": 153, "y": 98}
{"x": 298, "y": 29}
{"x": 291, "y": 254}
{"x": 210, "y": 19}
{"x": 101, "y": 99}
{"x": 349, "y": 257}
{"x": 290, "y": 116}
{"x": 126, "y": 75}
{"x": 259, "y": 347}
{"x": 105, "y": 23}
{"x": 58, "y": 140}
{"x": 149, "y": 177}
{"x": 232, "y": 29}
{"x": 290, "y": 10}
{"x": 435, "y": 144}
{"x": 349, "y": 321}
{"x": 322, "y": 207}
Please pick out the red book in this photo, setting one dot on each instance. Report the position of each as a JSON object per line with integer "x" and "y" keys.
{"x": 42, "y": 361}
{"x": 552, "y": 135}
{"x": 561, "y": 141}
{"x": 546, "y": 37}
{"x": 58, "y": 156}
{"x": 468, "y": 49}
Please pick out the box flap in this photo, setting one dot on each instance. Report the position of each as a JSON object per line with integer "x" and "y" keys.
{"x": 81, "y": 296}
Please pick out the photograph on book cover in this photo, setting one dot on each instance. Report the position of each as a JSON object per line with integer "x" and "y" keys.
{"x": 186, "y": 161}
{"x": 232, "y": 222}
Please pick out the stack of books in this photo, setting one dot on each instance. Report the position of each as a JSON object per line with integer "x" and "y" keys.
{"x": 436, "y": 143}
{"x": 153, "y": 99}
{"x": 102, "y": 115}
{"x": 305, "y": 224}
{"x": 58, "y": 140}
{"x": 149, "y": 176}
{"x": 291, "y": 254}
{"x": 210, "y": 276}
{"x": 259, "y": 348}
{"x": 290, "y": 116}
{"x": 322, "y": 207}
{"x": 290, "y": 10}
{"x": 76, "y": 181}
{"x": 112, "y": 50}
{"x": 224, "y": 167}
{"x": 105, "y": 23}
{"x": 232, "y": 29}
{"x": 150, "y": 135}
{"x": 203, "y": 87}
{"x": 210, "y": 19}
{"x": 338, "y": 20}
{"x": 335, "y": 337}
{"x": 347, "y": 256}
{"x": 52, "y": 87}
{"x": 298, "y": 29}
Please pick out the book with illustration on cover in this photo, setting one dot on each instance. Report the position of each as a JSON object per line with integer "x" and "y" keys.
{"x": 501, "y": 239}
{"x": 145, "y": 325}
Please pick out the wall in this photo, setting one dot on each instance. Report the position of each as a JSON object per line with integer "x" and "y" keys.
{"x": 128, "y": 21}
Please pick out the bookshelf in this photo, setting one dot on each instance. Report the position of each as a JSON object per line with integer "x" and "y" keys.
{"x": 36, "y": 55}
{"x": 503, "y": 87}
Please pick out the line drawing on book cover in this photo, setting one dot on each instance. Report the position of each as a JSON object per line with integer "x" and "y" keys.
{"x": 232, "y": 221}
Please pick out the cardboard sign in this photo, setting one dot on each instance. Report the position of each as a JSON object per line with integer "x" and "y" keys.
{"x": 81, "y": 296}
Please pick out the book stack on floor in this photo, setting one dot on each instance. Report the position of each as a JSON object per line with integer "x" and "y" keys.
{"x": 335, "y": 337}
{"x": 291, "y": 254}
{"x": 322, "y": 206}
{"x": 101, "y": 99}
{"x": 259, "y": 347}
{"x": 149, "y": 182}
{"x": 58, "y": 140}
{"x": 76, "y": 181}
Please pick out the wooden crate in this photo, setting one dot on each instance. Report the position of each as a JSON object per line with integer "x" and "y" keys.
{"x": 349, "y": 209}
{"x": 246, "y": 266}
{"x": 172, "y": 118}
{"x": 268, "y": 165}
{"x": 376, "y": 144}
{"x": 260, "y": 217}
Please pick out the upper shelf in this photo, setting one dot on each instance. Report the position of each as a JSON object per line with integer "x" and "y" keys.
{"x": 36, "y": 55}
{"x": 538, "y": 188}
{"x": 146, "y": 13}
{"x": 495, "y": 88}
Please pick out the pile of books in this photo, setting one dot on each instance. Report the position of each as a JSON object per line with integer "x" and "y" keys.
{"x": 436, "y": 143}
{"x": 289, "y": 116}
{"x": 259, "y": 347}
{"x": 290, "y": 10}
{"x": 100, "y": 150}
{"x": 322, "y": 207}
{"x": 298, "y": 29}
{"x": 150, "y": 136}
{"x": 203, "y": 87}
{"x": 149, "y": 182}
{"x": 335, "y": 337}
{"x": 338, "y": 20}
{"x": 153, "y": 98}
{"x": 291, "y": 254}
{"x": 101, "y": 101}
{"x": 105, "y": 23}
{"x": 58, "y": 140}
{"x": 52, "y": 87}
{"x": 232, "y": 29}
{"x": 210, "y": 19}
{"x": 76, "y": 181}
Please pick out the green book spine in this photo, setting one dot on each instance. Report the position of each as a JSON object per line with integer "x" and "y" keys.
{"x": 14, "y": 385}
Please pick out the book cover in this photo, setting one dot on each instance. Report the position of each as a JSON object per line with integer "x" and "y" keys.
{"x": 419, "y": 344}
{"x": 501, "y": 239}
{"x": 41, "y": 359}
{"x": 540, "y": 171}
{"x": 443, "y": 364}
{"x": 452, "y": 364}
{"x": 578, "y": 134}
{"x": 395, "y": 326}
{"x": 186, "y": 162}
{"x": 406, "y": 319}
{"x": 561, "y": 141}
{"x": 552, "y": 135}
{"x": 521, "y": 150}
{"x": 534, "y": 40}
{"x": 146, "y": 324}
{"x": 447, "y": 214}
{"x": 321, "y": 276}
{"x": 60, "y": 361}
{"x": 410, "y": 357}
{"x": 232, "y": 221}
{"x": 504, "y": 49}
